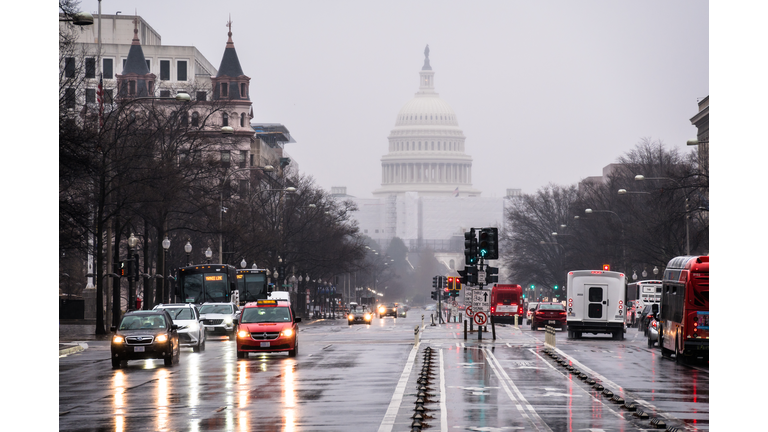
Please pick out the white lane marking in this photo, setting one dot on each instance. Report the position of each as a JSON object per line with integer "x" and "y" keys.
{"x": 397, "y": 398}
{"x": 506, "y": 382}
{"x": 443, "y": 408}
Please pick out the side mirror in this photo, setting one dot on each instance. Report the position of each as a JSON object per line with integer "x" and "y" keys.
{"x": 297, "y": 320}
{"x": 113, "y": 329}
{"x": 174, "y": 327}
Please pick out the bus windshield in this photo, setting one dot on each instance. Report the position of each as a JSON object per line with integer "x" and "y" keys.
{"x": 215, "y": 285}
{"x": 252, "y": 286}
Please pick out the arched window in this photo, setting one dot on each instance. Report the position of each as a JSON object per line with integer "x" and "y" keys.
{"x": 224, "y": 119}
{"x": 242, "y": 119}
{"x": 195, "y": 119}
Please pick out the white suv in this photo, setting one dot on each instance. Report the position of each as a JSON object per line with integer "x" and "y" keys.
{"x": 187, "y": 317}
{"x": 218, "y": 318}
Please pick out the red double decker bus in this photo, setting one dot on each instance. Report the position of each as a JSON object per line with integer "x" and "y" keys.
{"x": 684, "y": 308}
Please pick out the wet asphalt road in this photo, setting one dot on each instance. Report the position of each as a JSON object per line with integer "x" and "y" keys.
{"x": 364, "y": 378}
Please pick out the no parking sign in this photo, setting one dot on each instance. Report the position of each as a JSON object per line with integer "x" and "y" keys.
{"x": 481, "y": 318}
{"x": 469, "y": 311}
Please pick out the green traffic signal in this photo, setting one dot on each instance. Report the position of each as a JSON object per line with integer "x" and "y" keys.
{"x": 555, "y": 286}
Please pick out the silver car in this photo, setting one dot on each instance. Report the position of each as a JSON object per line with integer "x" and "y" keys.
{"x": 191, "y": 330}
{"x": 218, "y": 318}
{"x": 654, "y": 327}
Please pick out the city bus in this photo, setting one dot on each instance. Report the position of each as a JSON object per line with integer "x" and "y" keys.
{"x": 251, "y": 285}
{"x": 203, "y": 283}
{"x": 643, "y": 293}
{"x": 684, "y": 308}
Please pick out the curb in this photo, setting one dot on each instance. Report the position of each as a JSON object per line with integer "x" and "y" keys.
{"x": 73, "y": 348}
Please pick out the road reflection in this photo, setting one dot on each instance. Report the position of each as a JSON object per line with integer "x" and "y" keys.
{"x": 162, "y": 398}
{"x": 118, "y": 383}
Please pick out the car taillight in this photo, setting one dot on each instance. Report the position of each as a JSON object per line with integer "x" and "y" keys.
{"x": 653, "y": 324}
{"x": 562, "y": 312}
{"x": 493, "y": 309}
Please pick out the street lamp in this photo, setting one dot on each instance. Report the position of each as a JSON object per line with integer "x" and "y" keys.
{"x": 266, "y": 168}
{"x": 243, "y": 263}
{"x": 641, "y": 177}
{"x": 166, "y": 246}
{"x": 208, "y": 254}
{"x": 188, "y": 250}
{"x": 132, "y": 242}
{"x": 79, "y": 19}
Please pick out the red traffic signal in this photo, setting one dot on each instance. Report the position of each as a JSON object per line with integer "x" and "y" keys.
{"x": 606, "y": 267}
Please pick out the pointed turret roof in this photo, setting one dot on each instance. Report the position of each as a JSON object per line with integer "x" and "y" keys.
{"x": 230, "y": 64}
{"x": 136, "y": 63}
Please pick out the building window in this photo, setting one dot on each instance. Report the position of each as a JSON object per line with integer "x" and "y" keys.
{"x": 90, "y": 67}
{"x": 195, "y": 119}
{"x": 131, "y": 88}
{"x": 165, "y": 70}
{"x": 107, "y": 68}
{"x": 200, "y": 96}
{"x": 242, "y": 119}
{"x": 107, "y": 96}
{"x": 150, "y": 88}
{"x": 243, "y": 158}
{"x": 90, "y": 95}
{"x": 242, "y": 91}
{"x": 225, "y": 157}
{"x": 242, "y": 189}
{"x": 149, "y": 64}
{"x": 69, "y": 98}
{"x": 224, "y": 119}
{"x": 251, "y": 160}
{"x": 165, "y": 93}
{"x": 124, "y": 60}
{"x": 184, "y": 119}
{"x": 181, "y": 70}
{"x": 69, "y": 67}
{"x": 224, "y": 89}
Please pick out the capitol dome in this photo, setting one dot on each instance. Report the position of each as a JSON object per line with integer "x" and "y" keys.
{"x": 426, "y": 147}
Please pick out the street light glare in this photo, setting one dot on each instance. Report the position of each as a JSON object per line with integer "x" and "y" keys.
{"x": 588, "y": 211}
{"x": 639, "y": 177}
{"x": 183, "y": 97}
{"x": 622, "y": 191}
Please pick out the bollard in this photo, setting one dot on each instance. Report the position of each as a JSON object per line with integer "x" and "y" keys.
{"x": 493, "y": 327}
{"x": 460, "y": 318}
{"x": 515, "y": 320}
{"x": 432, "y": 317}
{"x": 465, "y": 329}
{"x": 479, "y": 332}
{"x": 416, "y": 335}
{"x": 422, "y": 321}
{"x": 471, "y": 325}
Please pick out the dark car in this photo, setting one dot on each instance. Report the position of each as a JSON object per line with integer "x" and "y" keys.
{"x": 646, "y": 315}
{"x": 145, "y": 335}
{"x": 359, "y": 315}
{"x": 388, "y": 310}
{"x": 548, "y": 314}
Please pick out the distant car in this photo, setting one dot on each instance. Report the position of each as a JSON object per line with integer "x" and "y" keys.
{"x": 267, "y": 326}
{"x": 548, "y": 314}
{"x": 646, "y": 315}
{"x": 653, "y": 331}
{"x": 388, "y": 310}
{"x": 145, "y": 335}
{"x": 187, "y": 317}
{"x": 359, "y": 315}
{"x": 219, "y": 318}
{"x": 529, "y": 312}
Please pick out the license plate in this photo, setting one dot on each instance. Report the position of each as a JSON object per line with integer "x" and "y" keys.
{"x": 551, "y": 322}
{"x": 264, "y": 344}
{"x": 138, "y": 349}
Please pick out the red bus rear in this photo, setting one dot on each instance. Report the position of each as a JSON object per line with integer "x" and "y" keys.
{"x": 684, "y": 308}
{"x": 506, "y": 301}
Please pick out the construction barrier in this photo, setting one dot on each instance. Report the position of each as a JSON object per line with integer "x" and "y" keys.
{"x": 550, "y": 339}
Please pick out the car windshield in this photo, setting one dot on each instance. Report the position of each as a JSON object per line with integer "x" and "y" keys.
{"x": 265, "y": 315}
{"x": 136, "y": 322}
{"x": 181, "y": 313}
{"x": 551, "y": 307}
{"x": 217, "y": 309}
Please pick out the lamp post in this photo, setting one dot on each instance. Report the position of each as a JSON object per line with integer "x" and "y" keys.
{"x": 641, "y": 177}
{"x": 132, "y": 241}
{"x": 266, "y": 168}
{"x": 163, "y": 284}
{"x": 208, "y": 254}
{"x": 243, "y": 263}
{"x": 623, "y": 251}
{"x": 188, "y": 250}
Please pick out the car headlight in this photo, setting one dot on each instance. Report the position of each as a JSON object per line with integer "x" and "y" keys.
{"x": 162, "y": 338}
{"x": 194, "y": 326}
{"x": 351, "y": 317}
{"x": 286, "y": 332}
{"x": 367, "y": 317}
{"x": 118, "y": 339}
{"x": 243, "y": 334}
{"x": 382, "y": 310}
{"x": 228, "y": 320}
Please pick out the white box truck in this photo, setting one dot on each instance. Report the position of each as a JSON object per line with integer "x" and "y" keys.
{"x": 596, "y": 303}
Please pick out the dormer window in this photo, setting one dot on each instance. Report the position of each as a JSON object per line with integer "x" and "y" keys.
{"x": 131, "y": 88}
{"x": 224, "y": 119}
{"x": 242, "y": 90}
{"x": 224, "y": 90}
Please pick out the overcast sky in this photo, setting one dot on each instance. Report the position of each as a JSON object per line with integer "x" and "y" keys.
{"x": 543, "y": 91}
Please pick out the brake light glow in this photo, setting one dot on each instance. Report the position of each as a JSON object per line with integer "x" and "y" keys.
{"x": 493, "y": 309}
{"x": 597, "y": 272}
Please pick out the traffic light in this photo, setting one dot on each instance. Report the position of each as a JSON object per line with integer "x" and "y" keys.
{"x": 123, "y": 272}
{"x": 433, "y": 294}
{"x": 471, "y": 275}
{"x": 555, "y": 287}
{"x": 470, "y": 247}
{"x": 606, "y": 267}
{"x": 444, "y": 282}
{"x": 446, "y": 293}
{"x": 488, "y": 244}
{"x": 491, "y": 275}
{"x": 434, "y": 283}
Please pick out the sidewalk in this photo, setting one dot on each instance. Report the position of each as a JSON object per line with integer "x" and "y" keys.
{"x": 74, "y": 335}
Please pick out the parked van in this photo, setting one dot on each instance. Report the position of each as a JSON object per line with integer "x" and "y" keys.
{"x": 506, "y": 302}
{"x": 596, "y": 303}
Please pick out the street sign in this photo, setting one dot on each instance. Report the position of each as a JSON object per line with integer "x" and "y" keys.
{"x": 469, "y": 311}
{"x": 480, "y": 277}
{"x": 481, "y": 318}
{"x": 481, "y": 300}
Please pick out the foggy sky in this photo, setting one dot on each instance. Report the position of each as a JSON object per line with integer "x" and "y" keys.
{"x": 543, "y": 91}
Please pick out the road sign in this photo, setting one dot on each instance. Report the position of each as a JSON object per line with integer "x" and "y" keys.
{"x": 481, "y": 318}
{"x": 481, "y": 300}
{"x": 480, "y": 277}
{"x": 469, "y": 311}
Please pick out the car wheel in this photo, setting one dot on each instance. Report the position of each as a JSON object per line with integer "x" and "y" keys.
{"x": 578, "y": 335}
{"x": 295, "y": 350}
{"x": 678, "y": 356}
{"x": 116, "y": 363}
{"x": 202, "y": 345}
{"x": 231, "y": 335}
{"x": 168, "y": 361}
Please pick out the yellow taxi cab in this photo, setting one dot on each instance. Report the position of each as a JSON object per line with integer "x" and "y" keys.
{"x": 267, "y": 326}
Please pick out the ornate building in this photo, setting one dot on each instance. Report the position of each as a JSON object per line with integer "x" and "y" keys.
{"x": 426, "y": 147}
